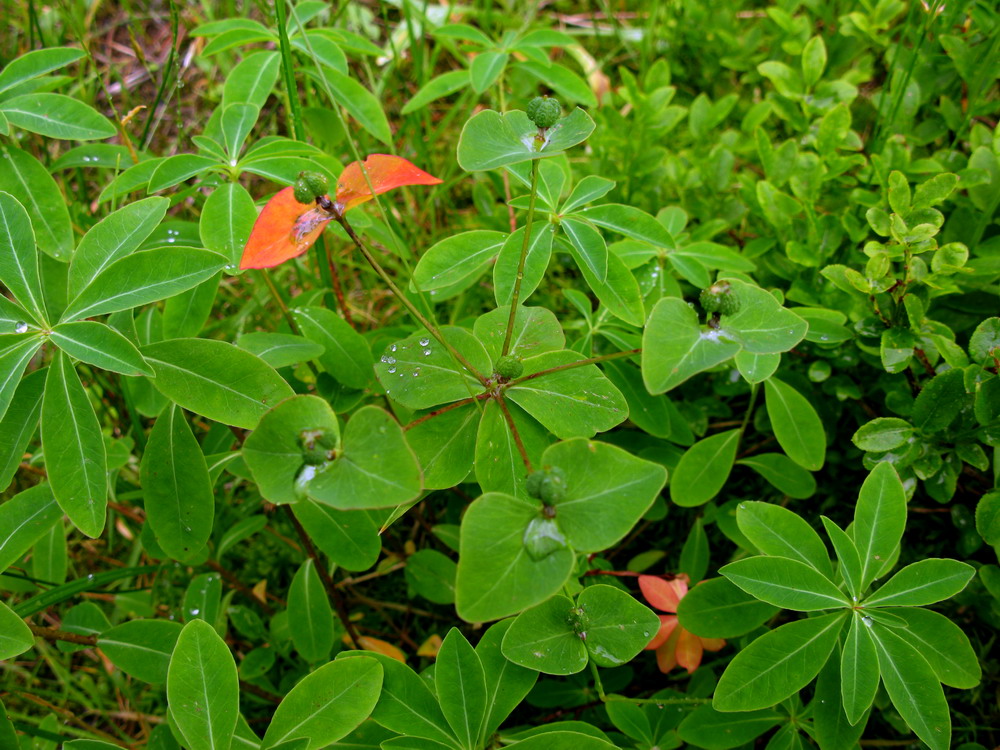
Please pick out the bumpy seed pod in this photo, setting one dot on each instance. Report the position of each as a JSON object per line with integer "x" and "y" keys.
{"x": 310, "y": 186}
{"x": 543, "y": 111}
{"x": 509, "y": 367}
{"x": 547, "y": 485}
{"x": 719, "y": 298}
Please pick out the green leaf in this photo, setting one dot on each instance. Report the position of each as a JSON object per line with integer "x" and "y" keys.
{"x": 252, "y": 79}
{"x": 703, "y": 469}
{"x": 506, "y": 683}
{"x": 462, "y": 256}
{"x": 785, "y": 583}
{"x": 847, "y": 554}
{"x": 775, "y": 530}
{"x": 116, "y": 235}
{"x": 675, "y": 347}
{"x": 813, "y": 61}
{"x": 74, "y": 448}
{"x": 590, "y": 188}
{"x": 460, "y": 683}
{"x": 543, "y": 638}
{"x": 557, "y": 740}
{"x": 275, "y": 451}
{"x": 226, "y": 221}
{"x": 781, "y": 472}
{"x": 216, "y": 380}
{"x": 943, "y": 644}
{"x": 571, "y": 402}
{"x": 360, "y": 103}
{"x": 796, "y": 424}
{"x": 13, "y": 361}
{"x": 327, "y": 704}
{"x": 24, "y": 519}
{"x": 833, "y": 729}
{"x": 237, "y": 121}
{"x": 615, "y": 627}
{"x": 144, "y": 277}
{"x": 923, "y": 582}
{"x": 631, "y": 222}
{"x": 858, "y": 669}
{"x": 419, "y": 372}
{"x": 778, "y": 664}
{"x": 498, "y": 464}
{"x": 879, "y": 519}
{"x": 883, "y": 434}
{"x": 619, "y": 292}
{"x": 24, "y": 178}
{"x": 57, "y": 116}
{"x": 19, "y": 258}
{"x": 141, "y": 648}
{"x": 445, "y": 446}
{"x": 177, "y": 491}
{"x": 896, "y": 349}
{"x": 279, "y": 349}
{"x": 309, "y": 608}
{"x": 607, "y": 491}
{"x": 101, "y": 346}
{"x": 486, "y": 67}
{"x": 347, "y": 356}
{"x": 19, "y": 424}
{"x": 535, "y": 263}
{"x": 377, "y": 469}
{"x": 985, "y": 340}
{"x": 717, "y": 608}
{"x": 536, "y": 331}
{"x": 185, "y": 314}
{"x": 15, "y": 637}
{"x": 406, "y": 704}
{"x": 432, "y": 575}
{"x": 562, "y": 80}
{"x": 202, "y": 688}
{"x": 490, "y": 140}
{"x": 939, "y": 401}
{"x": 762, "y": 325}
{"x": 756, "y": 368}
{"x": 656, "y": 415}
{"x": 35, "y": 63}
{"x": 436, "y": 88}
{"x": 708, "y": 728}
{"x": 591, "y": 250}
{"x": 913, "y": 688}
{"x": 496, "y": 575}
{"x": 174, "y": 170}
{"x": 348, "y": 537}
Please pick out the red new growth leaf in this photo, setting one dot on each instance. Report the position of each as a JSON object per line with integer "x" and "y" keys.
{"x": 286, "y": 228}
{"x": 385, "y": 172}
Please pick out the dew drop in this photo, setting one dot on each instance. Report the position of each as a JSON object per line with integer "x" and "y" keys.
{"x": 416, "y": 372}
{"x": 867, "y": 621}
{"x": 20, "y": 327}
{"x": 390, "y": 360}
{"x": 90, "y": 576}
{"x": 392, "y": 348}
{"x": 232, "y": 162}
{"x": 171, "y": 240}
{"x": 427, "y": 352}
{"x": 392, "y": 370}
{"x": 195, "y": 611}
{"x": 230, "y": 267}
{"x": 424, "y": 342}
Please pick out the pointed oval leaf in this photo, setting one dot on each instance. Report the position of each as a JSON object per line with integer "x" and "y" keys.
{"x": 141, "y": 648}
{"x": 923, "y": 582}
{"x": 101, "y": 346}
{"x": 309, "y": 608}
{"x": 775, "y": 530}
{"x": 704, "y": 469}
{"x": 796, "y": 424}
{"x": 785, "y": 583}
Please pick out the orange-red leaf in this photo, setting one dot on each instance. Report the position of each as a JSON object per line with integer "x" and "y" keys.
{"x": 385, "y": 172}
{"x": 664, "y": 595}
{"x": 689, "y": 650}
{"x": 284, "y": 229}
{"x": 667, "y": 625}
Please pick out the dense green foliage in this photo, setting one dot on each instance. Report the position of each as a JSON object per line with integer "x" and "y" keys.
{"x": 681, "y": 336}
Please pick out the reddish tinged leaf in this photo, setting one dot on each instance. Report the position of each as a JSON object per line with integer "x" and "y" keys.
{"x": 664, "y": 595}
{"x": 689, "y": 650}
{"x": 285, "y": 229}
{"x": 667, "y": 625}
{"x": 385, "y": 172}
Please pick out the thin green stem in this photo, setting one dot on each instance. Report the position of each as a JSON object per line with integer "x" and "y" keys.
{"x": 579, "y": 363}
{"x": 285, "y": 312}
{"x": 597, "y": 682}
{"x": 413, "y": 310}
{"x": 286, "y": 68}
{"x": 746, "y": 417}
{"x": 520, "y": 263}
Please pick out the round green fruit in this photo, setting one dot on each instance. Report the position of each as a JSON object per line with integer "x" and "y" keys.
{"x": 310, "y": 186}
{"x": 543, "y": 111}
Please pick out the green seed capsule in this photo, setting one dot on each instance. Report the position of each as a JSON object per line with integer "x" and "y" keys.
{"x": 544, "y": 111}
{"x": 509, "y": 367}
{"x": 719, "y": 298}
{"x": 310, "y": 186}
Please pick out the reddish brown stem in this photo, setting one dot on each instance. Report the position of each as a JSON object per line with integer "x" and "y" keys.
{"x": 514, "y": 433}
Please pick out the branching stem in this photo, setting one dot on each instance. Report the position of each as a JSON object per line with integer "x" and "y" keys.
{"x": 520, "y": 263}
